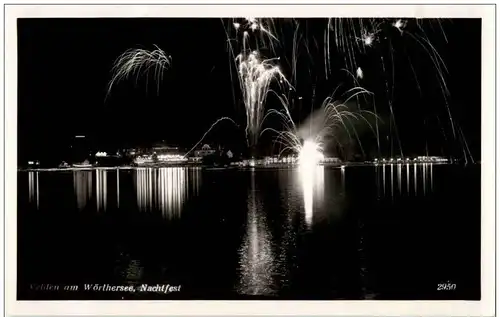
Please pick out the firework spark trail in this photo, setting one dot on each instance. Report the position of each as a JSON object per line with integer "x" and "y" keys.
{"x": 254, "y": 74}
{"x": 261, "y": 29}
{"x": 351, "y": 37}
{"x": 441, "y": 71}
{"x": 347, "y": 38}
{"x": 208, "y": 131}
{"x": 255, "y": 77}
{"x": 393, "y": 118}
{"x": 354, "y": 36}
{"x": 139, "y": 62}
{"x": 322, "y": 125}
{"x": 423, "y": 41}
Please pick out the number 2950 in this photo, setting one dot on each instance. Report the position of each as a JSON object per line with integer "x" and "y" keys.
{"x": 446, "y": 287}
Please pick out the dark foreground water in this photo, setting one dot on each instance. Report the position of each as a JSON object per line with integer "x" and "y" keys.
{"x": 360, "y": 233}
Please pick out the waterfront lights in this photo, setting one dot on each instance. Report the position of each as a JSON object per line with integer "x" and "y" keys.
{"x": 418, "y": 159}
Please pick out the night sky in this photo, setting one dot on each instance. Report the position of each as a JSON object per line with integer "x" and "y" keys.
{"x": 64, "y": 66}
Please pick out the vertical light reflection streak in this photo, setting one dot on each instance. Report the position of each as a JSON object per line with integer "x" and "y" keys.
{"x": 82, "y": 185}
{"x": 118, "y": 188}
{"x": 392, "y": 180}
{"x": 105, "y": 188}
{"x": 422, "y": 176}
{"x": 34, "y": 188}
{"x": 37, "y": 190}
{"x": 148, "y": 193}
{"x": 31, "y": 186}
{"x": 342, "y": 174}
{"x": 166, "y": 189}
{"x": 257, "y": 268}
{"x": 415, "y": 179}
{"x": 399, "y": 178}
{"x": 383, "y": 177}
{"x": 312, "y": 181}
{"x": 101, "y": 189}
{"x": 408, "y": 178}
{"x": 97, "y": 189}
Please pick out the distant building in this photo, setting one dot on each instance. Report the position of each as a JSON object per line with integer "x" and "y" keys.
{"x": 333, "y": 160}
{"x": 159, "y": 153}
{"x": 161, "y": 149}
{"x": 205, "y": 150}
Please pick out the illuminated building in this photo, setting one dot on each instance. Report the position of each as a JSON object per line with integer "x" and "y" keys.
{"x": 160, "y": 154}
{"x": 161, "y": 149}
{"x": 204, "y": 151}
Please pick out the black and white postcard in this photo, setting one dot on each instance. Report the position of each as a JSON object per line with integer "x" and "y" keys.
{"x": 271, "y": 159}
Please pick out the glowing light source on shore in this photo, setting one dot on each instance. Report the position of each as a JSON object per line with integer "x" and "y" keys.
{"x": 310, "y": 154}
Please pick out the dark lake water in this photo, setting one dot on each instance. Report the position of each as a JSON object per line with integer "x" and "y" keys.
{"x": 388, "y": 233}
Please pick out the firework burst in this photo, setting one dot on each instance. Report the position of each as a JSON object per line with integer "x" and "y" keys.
{"x": 374, "y": 50}
{"x": 139, "y": 62}
{"x": 310, "y": 139}
{"x": 255, "y": 75}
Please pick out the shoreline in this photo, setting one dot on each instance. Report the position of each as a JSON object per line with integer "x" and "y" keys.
{"x": 230, "y": 167}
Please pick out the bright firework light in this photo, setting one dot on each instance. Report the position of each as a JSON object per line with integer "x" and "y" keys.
{"x": 137, "y": 62}
{"x": 399, "y": 24}
{"x": 310, "y": 155}
{"x": 359, "y": 73}
{"x": 238, "y": 34}
{"x": 255, "y": 75}
{"x": 263, "y": 30}
{"x": 308, "y": 141}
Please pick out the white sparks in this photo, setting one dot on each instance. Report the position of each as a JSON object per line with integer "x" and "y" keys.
{"x": 138, "y": 62}
{"x": 359, "y": 73}
{"x": 255, "y": 77}
{"x": 399, "y": 24}
{"x": 368, "y": 39}
{"x": 318, "y": 129}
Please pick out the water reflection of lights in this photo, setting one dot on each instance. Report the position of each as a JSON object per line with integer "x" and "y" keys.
{"x": 118, "y": 188}
{"x": 101, "y": 188}
{"x": 166, "y": 189}
{"x": 257, "y": 267}
{"x": 312, "y": 181}
{"x": 82, "y": 184}
{"x": 422, "y": 176}
{"x": 392, "y": 180}
{"x": 34, "y": 193}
